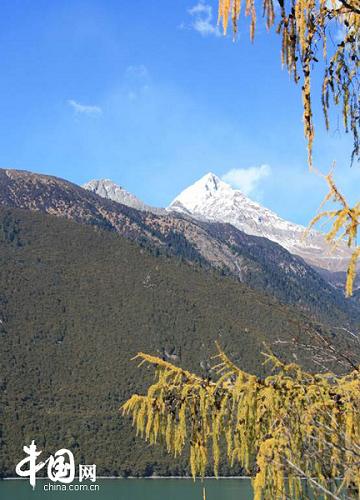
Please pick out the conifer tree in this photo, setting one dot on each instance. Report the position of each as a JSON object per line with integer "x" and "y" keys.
{"x": 288, "y": 426}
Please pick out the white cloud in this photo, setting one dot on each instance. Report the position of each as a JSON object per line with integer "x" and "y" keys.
{"x": 84, "y": 108}
{"x": 203, "y": 21}
{"x": 247, "y": 179}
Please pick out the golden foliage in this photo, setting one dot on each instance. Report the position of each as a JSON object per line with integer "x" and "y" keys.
{"x": 345, "y": 222}
{"x": 290, "y": 425}
{"x": 306, "y": 26}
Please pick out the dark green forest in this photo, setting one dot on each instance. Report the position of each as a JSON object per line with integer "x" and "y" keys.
{"x": 76, "y": 303}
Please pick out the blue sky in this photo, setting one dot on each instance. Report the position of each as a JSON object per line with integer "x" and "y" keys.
{"x": 149, "y": 94}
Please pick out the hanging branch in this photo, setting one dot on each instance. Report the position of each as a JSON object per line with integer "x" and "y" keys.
{"x": 304, "y": 27}
{"x": 344, "y": 225}
{"x": 289, "y": 422}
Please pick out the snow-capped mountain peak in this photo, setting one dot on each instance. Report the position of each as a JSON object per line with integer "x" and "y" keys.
{"x": 210, "y": 182}
{"x": 213, "y": 199}
{"x": 202, "y": 191}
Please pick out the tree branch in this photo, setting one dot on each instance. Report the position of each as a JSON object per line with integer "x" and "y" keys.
{"x": 350, "y": 7}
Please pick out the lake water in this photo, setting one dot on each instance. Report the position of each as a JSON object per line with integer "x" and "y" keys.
{"x": 134, "y": 489}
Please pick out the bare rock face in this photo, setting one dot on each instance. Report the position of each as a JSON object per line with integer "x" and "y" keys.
{"x": 216, "y": 200}
{"x": 106, "y": 188}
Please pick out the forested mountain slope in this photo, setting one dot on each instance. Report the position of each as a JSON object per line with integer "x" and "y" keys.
{"x": 76, "y": 303}
{"x": 258, "y": 262}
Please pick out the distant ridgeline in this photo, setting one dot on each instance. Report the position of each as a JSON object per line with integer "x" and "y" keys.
{"x": 256, "y": 261}
{"x": 78, "y": 300}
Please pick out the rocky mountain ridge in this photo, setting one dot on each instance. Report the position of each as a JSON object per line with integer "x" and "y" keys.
{"x": 106, "y": 188}
{"x": 257, "y": 262}
{"x": 211, "y": 199}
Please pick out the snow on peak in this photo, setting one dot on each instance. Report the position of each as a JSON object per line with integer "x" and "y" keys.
{"x": 200, "y": 193}
{"x": 215, "y": 200}
{"x": 210, "y": 181}
{"x": 210, "y": 196}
